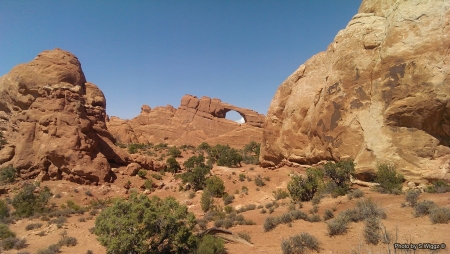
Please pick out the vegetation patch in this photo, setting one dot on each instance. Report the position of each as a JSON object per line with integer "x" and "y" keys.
{"x": 299, "y": 244}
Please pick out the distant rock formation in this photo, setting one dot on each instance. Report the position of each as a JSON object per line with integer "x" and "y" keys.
{"x": 195, "y": 121}
{"x": 379, "y": 93}
{"x": 54, "y": 122}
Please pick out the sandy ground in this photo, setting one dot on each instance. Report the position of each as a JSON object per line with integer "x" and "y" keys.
{"x": 400, "y": 221}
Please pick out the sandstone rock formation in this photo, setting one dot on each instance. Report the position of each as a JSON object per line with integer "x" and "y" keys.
{"x": 54, "y": 122}
{"x": 379, "y": 93}
{"x": 195, "y": 121}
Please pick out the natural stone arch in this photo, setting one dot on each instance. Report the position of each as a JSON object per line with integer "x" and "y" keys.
{"x": 226, "y": 110}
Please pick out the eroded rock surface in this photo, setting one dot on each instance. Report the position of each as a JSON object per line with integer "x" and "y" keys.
{"x": 379, "y": 93}
{"x": 54, "y": 122}
{"x": 195, "y": 121}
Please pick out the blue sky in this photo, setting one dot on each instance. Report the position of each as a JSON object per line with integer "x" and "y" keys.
{"x": 154, "y": 52}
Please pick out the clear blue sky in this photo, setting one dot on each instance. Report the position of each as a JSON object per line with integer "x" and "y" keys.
{"x": 154, "y": 52}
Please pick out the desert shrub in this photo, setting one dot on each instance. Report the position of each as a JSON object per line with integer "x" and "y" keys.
{"x": 157, "y": 176}
{"x": 206, "y": 200}
{"x": 355, "y": 194}
{"x": 228, "y": 209}
{"x": 27, "y": 203}
{"x": 314, "y": 209}
{"x": 241, "y": 177}
{"x": 202, "y": 224}
{"x": 211, "y": 245}
{"x": 316, "y": 199}
{"x": 245, "y": 236}
{"x": 285, "y": 218}
{"x": 203, "y": 146}
{"x": 2, "y": 140}
{"x": 12, "y": 242}
{"x": 244, "y": 190}
{"x": 390, "y": 181}
{"x": 304, "y": 188}
{"x": 197, "y": 177}
{"x": 5, "y": 231}
{"x": 328, "y": 214}
{"x": 372, "y": 230}
{"x": 412, "y": 196}
{"x": 8, "y": 174}
{"x": 4, "y": 210}
{"x": 440, "y": 215}
{"x": 300, "y": 244}
{"x": 52, "y": 249}
{"x": 58, "y": 221}
{"x": 172, "y": 165}
{"x": 338, "y": 226}
{"x": 146, "y": 225}
{"x": 259, "y": 181}
{"x": 68, "y": 241}
{"x": 339, "y": 173}
{"x": 174, "y": 152}
{"x": 32, "y": 226}
{"x": 228, "y": 199}
{"x": 215, "y": 186}
{"x": 424, "y": 208}
{"x": 298, "y": 215}
{"x": 148, "y": 184}
{"x": 367, "y": 208}
{"x": 313, "y": 218}
{"x": 438, "y": 186}
{"x": 270, "y": 223}
{"x": 280, "y": 194}
{"x": 142, "y": 173}
{"x": 88, "y": 193}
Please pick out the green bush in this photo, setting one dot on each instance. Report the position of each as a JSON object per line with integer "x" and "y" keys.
{"x": 438, "y": 186}
{"x": 211, "y": 245}
{"x": 340, "y": 173}
{"x": 390, "y": 181}
{"x": 197, "y": 177}
{"x": 304, "y": 188}
{"x": 144, "y": 225}
{"x": 206, "y": 200}
{"x": 241, "y": 177}
{"x": 5, "y": 232}
{"x": 142, "y": 173}
{"x": 157, "y": 176}
{"x": 27, "y": 203}
{"x": 251, "y": 153}
{"x": 215, "y": 186}
{"x": 2, "y": 141}
{"x": 174, "y": 152}
{"x": 424, "y": 208}
{"x": 440, "y": 215}
{"x": 172, "y": 165}
{"x": 224, "y": 155}
{"x": 8, "y": 174}
{"x": 195, "y": 161}
{"x": 4, "y": 210}
{"x": 300, "y": 244}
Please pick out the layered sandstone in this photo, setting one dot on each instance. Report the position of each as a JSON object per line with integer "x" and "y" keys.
{"x": 379, "y": 93}
{"x": 195, "y": 121}
{"x": 54, "y": 122}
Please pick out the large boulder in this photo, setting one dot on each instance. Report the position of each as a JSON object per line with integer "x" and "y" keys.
{"x": 195, "y": 121}
{"x": 379, "y": 93}
{"x": 54, "y": 122}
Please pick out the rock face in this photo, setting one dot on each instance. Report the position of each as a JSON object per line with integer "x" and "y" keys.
{"x": 54, "y": 122}
{"x": 195, "y": 121}
{"x": 379, "y": 93}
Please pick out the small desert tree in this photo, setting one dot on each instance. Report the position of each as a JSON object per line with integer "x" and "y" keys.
{"x": 143, "y": 225}
{"x": 303, "y": 189}
{"x": 340, "y": 173}
{"x": 27, "y": 203}
{"x": 390, "y": 181}
{"x": 172, "y": 165}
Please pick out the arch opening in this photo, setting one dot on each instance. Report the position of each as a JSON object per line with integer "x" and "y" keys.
{"x": 235, "y": 116}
